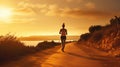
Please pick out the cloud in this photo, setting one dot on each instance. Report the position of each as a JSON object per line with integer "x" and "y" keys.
{"x": 29, "y": 8}
{"x": 53, "y": 10}
{"x": 69, "y": 0}
{"x": 22, "y": 9}
{"x": 75, "y": 12}
{"x": 80, "y": 12}
{"x": 23, "y": 12}
{"x": 74, "y": 1}
{"x": 90, "y": 11}
{"x": 90, "y": 5}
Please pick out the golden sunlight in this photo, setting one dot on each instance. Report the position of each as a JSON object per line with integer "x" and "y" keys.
{"x": 5, "y": 13}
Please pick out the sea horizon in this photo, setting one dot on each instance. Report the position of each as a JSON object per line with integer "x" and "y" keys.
{"x": 35, "y": 43}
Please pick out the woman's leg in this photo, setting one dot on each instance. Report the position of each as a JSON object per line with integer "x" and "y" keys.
{"x": 63, "y": 44}
{"x": 63, "y": 39}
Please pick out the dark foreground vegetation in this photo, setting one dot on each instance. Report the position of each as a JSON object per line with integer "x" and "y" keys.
{"x": 106, "y": 38}
{"x": 11, "y": 48}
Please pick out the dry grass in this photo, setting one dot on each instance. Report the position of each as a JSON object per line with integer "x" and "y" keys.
{"x": 11, "y": 48}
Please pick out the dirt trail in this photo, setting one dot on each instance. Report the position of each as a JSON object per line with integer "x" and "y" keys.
{"x": 81, "y": 56}
{"x": 74, "y": 56}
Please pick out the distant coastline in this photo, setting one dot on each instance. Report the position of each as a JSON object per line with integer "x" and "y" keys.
{"x": 46, "y": 38}
{"x": 34, "y": 43}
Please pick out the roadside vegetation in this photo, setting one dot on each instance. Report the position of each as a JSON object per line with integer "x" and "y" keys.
{"x": 106, "y": 38}
{"x": 11, "y": 48}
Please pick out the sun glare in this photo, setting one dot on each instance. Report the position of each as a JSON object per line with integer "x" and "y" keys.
{"x": 5, "y": 13}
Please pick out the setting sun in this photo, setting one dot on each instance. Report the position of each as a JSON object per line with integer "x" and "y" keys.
{"x": 5, "y": 13}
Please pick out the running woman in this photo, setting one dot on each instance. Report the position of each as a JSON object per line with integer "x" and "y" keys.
{"x": 63, "y": 33}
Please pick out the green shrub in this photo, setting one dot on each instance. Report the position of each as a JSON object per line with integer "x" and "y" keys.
{"x": 95, "y": 28}
{"x": 46, "y": 45}
{"x": 85, "y": 36}
{"x": 115, "y": 20}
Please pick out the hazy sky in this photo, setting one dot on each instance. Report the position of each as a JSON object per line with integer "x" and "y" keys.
{"x": 45, "y": 17}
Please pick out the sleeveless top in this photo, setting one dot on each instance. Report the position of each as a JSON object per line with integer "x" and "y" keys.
{"x": 63, "y": 32}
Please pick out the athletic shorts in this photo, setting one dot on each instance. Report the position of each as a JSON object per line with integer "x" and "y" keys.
{"x": 63, "y": 37}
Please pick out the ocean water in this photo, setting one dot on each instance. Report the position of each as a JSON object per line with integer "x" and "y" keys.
{"x": 34, "y": 43}
{"x": 31, "y": 43}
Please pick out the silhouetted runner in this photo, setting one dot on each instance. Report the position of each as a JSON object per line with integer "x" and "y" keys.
{"x": 63, "y": 33}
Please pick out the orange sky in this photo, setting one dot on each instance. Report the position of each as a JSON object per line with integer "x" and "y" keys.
{"x": 45, "y": 17}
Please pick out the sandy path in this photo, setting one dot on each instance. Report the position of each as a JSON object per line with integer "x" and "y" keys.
{"x": 74, "y": 56}
{"x": 80, "y": 57}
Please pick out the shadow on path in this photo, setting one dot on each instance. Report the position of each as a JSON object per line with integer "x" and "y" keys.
{"x": 87, "y": 57}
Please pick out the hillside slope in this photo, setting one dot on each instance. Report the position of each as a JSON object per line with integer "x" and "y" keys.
{"x": 106, "y": 38}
